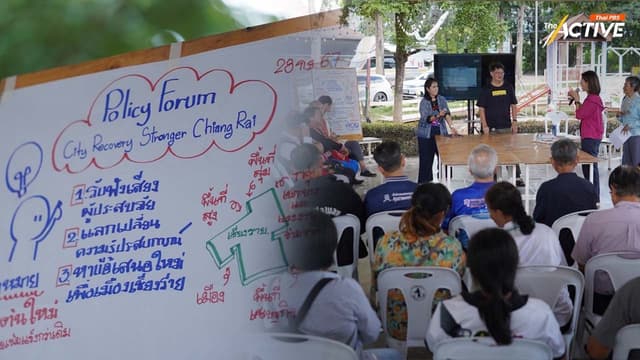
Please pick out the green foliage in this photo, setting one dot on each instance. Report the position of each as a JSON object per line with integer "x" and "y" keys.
{"x": 474, "y": 26}
{"x": 43, "y": 34}
{"x": 402, "y": 133}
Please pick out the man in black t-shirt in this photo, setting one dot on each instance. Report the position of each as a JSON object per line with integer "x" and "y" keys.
{"x": 497, "y": 103}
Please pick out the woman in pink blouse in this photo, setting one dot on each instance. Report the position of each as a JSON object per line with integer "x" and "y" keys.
{"x": 589, "y": 112}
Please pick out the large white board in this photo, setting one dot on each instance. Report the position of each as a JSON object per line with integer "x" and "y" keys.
{"x": 143, "y": 214}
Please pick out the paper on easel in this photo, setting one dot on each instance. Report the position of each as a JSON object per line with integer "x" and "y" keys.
{"x": 617, "y": 137}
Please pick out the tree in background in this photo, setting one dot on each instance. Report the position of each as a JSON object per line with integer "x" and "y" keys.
{"x": 474, "y": 26}
{"x": 406, "y": 16}
{"x": 38, "y": 35}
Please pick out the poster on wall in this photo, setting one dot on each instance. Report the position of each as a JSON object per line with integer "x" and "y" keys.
{"x": 144, "y": 212}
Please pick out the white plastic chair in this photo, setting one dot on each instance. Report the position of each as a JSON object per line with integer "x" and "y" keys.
{"x": 556, "y": 117}
{"x": 619, "y": 266}
{"x": 627, "y": 339}
{"x": 471, "y": 224}
{"x": 417, "y": 284}
{"x": 286, "y": 346}
{"x": 342, "y": 223}
{"x": 573, "y": 222}
{"x": 484, "y": 349}
{"x": 386, "y": 221}
{"x": 547, "y": 282}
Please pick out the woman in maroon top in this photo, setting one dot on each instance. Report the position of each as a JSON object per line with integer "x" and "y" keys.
{"x": 589, "y": 112}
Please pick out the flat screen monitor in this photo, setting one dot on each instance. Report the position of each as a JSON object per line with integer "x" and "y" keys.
{"x": 462, "y": 76}
{"x": 459, "y": 75}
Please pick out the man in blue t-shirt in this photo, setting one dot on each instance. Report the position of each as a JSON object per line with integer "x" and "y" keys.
{"x": 470, "y": 200}
{"x": 396, "y": 190}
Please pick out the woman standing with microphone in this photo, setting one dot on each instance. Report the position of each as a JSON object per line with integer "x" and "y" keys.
{"x": 434, "y": 117}
{"x": 589, "y": 112}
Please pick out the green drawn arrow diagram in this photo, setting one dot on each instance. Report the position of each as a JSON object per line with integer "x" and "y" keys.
{"x": 255, "y": 240}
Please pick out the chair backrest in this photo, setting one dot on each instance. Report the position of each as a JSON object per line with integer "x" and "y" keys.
{"x": 619, "y": 266}
{"x": 572, "y": 222}
{"x": 342, "y": 223}
{"x": 417, "y": 284}
{"x": 463, "y": 227}
{"x": 286, "y": 346}
{"x": 556, "y": 117}
{"x": 627, "y": 339}
{"x": 549, "y": 283}
{"x": 380, "y": 223}
{"x": 482, "y": 349}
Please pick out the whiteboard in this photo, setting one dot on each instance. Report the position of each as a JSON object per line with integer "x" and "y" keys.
{"x": 341, "y": 85}
{"x": 144, "y": 214}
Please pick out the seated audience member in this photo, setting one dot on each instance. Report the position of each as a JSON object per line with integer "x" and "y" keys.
{"x": 496, "y": 308}
{"x": 611, "y": 230}
{"x": 470, "y": 200}
{"x": 327, "y": 194}
{"x": 316, "y": 291}
{"x": 537, "y": 243}
{"x": 354, "y": 150}
{"x": 396, "y": 190}
{"x": 624, "y": 310}
{"x": 334, "y": 153}
{"x": 419, "y": 242}
{"x": 566, "y": 193}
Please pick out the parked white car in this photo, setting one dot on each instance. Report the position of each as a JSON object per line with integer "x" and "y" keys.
{"x": 413, "y": 88}
{"x": 380, "y": 88}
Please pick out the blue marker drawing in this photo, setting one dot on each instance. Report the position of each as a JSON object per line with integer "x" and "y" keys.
{"x": 31, "y": 223}
{"x": 23, "y": 167}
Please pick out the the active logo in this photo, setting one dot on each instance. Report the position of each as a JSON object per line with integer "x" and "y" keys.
{"x": 599, "y": 25}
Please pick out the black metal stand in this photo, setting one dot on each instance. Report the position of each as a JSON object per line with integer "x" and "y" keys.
{"x": 471, "y": 119}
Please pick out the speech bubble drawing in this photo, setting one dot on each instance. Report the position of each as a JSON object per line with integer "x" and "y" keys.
{"x": 183, "y": 113}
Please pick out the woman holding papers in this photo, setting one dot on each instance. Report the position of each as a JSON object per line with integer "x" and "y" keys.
{"x": 589, "y": 112}
{"x": 629, "y": 116}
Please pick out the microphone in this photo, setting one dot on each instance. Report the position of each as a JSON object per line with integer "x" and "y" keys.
{"x": 571, "y": 99}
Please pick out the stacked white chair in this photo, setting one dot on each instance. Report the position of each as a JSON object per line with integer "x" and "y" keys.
{"x": 418, "y": 285}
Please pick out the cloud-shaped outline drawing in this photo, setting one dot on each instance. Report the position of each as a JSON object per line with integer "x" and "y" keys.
{"x": 152, "y": 87}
